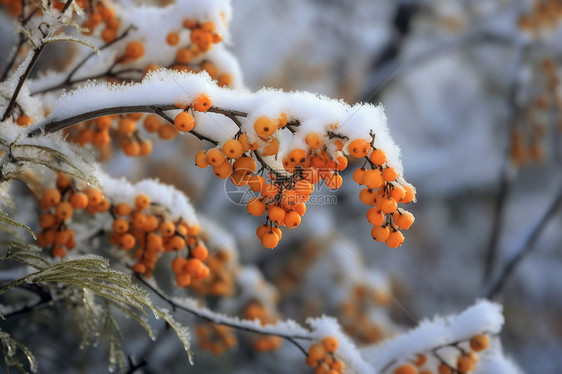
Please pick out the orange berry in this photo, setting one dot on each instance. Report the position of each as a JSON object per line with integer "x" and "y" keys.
{"x": 380, "y": 233}
{"x": 63, "y": 181}
{"x": 100, "y": 138}
{"x": 167, "y": 228}
{"x": 58, "y": 251}
{"x": 406, "y": 369}
{"x": 178, "y": 264}
{"x": 192, "y": 266}
{"x": 403, "y": 219}
{"x": 316, "y": 352}
{"x": 373, "y": 179}
{"x": 395, "y": 239}
{"x": 202, "y": 103}
{"x": 224, "y": 79}
{"x": 271, "y": 147}
{"x": 47, "y": 220}
{"x": 130, "y": 147}
{"x": 201, "y": 159}
{"x": 375, "y": 217}
{"x": 270, "y": 240}
{"x": 288, "y": 165}
{"x": 341, "y": 163}
{"x": 300, "y": 208}
{"x": 313, "y": 140}
{"x": 377, "y": 157}
{"x": 139, "y": 268}
{"x": 367, "y": 196}
{"x": 397, "y": 193}
{"x": 256, "y": 207}
{"x": 479, "y": 342}
{"x": 127, "y": 241}
{"x": 215, "y": 157}
{"x": 359, "y": 176}
{"x": 262, "y": 229}
{"x": 172, "y": 38}
{"x": 389, "y": 174}
{"x": 183, "y": 280}
{"x": 276, "y": 214}
{"x": 297, "y": 156}
{"x": 465, "y": 364}
{"x": 184, "y": 122}
{"x": 199, "y": 252}
{"x": 265, "y": 126}
{"x": 134, "y": 50}
{"x": 256, "y": 183}
{"x": 24, "y": 120}
{"x": 334, "y": 181}
{"x": 103, "y": 123}
{"x": 246, "y": 164}
{"x": 303, "y": 187}
{"x": 233, "y": 149}
{"x": 420, "y": 360}
{"x": 95, "y": 196}
{"x": 223, "y": 171}
{"x": 339, "y": 144}
{"x": 126, "y": 126}
{"x": 444, "y": 369}
{"x": 152, "y": 123}
{"x": 409, "y": 195}
{"x": 330, "y": 343}
{"x": 64, "y": 211}
{"x": 63, "y": 237}
{"x": 388, "y": 206}
{"x": 270, "y": 190}
{"x": 174, "y": 243}
{"x": 359, "y": 148}
{"x": 142, "y": 201}
{"x": 51, "y": 197}
{"x": 167, "y": 131}
{"x": 145, "y": 147}
{"x": 292, "y": 219}
{"x": 108, "y": 35}
{"x": 120, "y": 226}
{"x": 138, "y": 220}
{"x": 122, "y": 209}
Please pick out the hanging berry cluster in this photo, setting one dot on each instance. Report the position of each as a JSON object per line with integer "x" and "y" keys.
{"x": 464, "y": 359}
{"x": 322, "y": 357}
{"x": 263, "y": 343}
{"x": 145, "y": 227}
{"x": 214, "y": 338}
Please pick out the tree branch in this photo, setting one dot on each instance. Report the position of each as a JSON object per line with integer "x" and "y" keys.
{"x": 495, "y": 287}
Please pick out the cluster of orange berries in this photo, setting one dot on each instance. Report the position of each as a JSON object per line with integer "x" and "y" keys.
{"x": 529, "y": 133}
{"x": 383, "y": 192}
{"x": 58, "y": 205}
{"x": 465, "y": 363}
{"x": 215, "y": 338}
{"x": 220, "y": 281}
{"x": 355, "y": 310}
{"x": 98, "y": 15}
{"x": 263, "y": 343}
{"x": 321, "y": 356}
{"x": 545, "y": 15}
{"x": 144, "y": 226}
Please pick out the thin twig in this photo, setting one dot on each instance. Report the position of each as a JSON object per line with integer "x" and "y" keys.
{"x": 195, "y": 312}
{"x": 496, "y": 286}
{"x": 22, "y": 79}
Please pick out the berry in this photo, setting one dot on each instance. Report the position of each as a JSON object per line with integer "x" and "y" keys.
{"x": 389, "y": 174}
{"x": 167, "y": 228}
{"x": 184, "y": 122}
{"x": 359, "y": 148}
{"x": 172, "y": 38}
{"x": 24, "y": 120}
{"x": 246, "y": 164}
{"x": 199, "y": 252}
{"x": 373, "y": 179}
{"x": 388, "y": 206}
{"x": 375, "y": 217}
{"x": 397, "y": 193}
{"x": 256, "y": 207}
{"x": 142, "y": 201}
{"x": 202, "y": 103}
{"x": 395, "y": 239}
{"x": 52, "y": 197}
{"x": 201, "y": 159}
{"x": 126, "y": 126}
{"x": 120, "y": 226}
{"x": 265, "y": 126}
{"x": 380, "y": 233}
{"x": 215, "y": 157}
{"x": 406, "y": 369}
{"x": 167, "y": 131}
{"x": 122, "y": 209}
{"x": 151, "y": 123}
{"x": 292, "y": 219}
{"x": 256, "y": 183}
{"x": 233, "y": 149}
{"x": 313, "y": 140}
{"x": 367, "y": 196}
{"x": 316, "y": 352}
{"x": 223, "y": 171}
{"x": 403, "y": 219}
{"x": 270, "y": 239}
{"x": 330, "y": 343}
{"x": 377, "y": 157}
{"x": 465, "y": 364}
{"x": 297, "y": 156}
{"x": 409, "y": 195}
{"x": 64, "y": 211}
{"x": 134, "y": 50}
{"x": 127, "y": 241}
{"x": 359, "y": 176}
{"x": 276, "y": 214}
{"x": 479, "y": 342}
